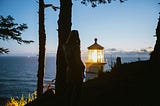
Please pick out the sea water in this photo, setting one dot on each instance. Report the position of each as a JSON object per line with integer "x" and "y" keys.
{"x": 18, "y": 74}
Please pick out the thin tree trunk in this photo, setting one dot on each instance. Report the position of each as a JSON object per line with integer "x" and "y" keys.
{"x": 42, "y": 43}
{"x": 64, "y": 28}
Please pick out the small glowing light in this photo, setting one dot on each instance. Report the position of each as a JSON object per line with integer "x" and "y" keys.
{"x": 95, "y": 53}
{"x": 96, "y": 56}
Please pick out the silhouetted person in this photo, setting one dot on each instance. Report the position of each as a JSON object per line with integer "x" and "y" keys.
{"x": 75, "y": 68}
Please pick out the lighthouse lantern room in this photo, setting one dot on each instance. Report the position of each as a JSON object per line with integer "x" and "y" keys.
{"x": 95, "y": 62}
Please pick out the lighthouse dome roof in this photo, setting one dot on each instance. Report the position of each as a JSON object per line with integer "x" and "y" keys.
{"x": 96, "y": 45}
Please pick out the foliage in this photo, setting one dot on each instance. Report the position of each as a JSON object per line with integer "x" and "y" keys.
{"x": 12, "y": 102}
{"x": 16, "y": 102}
{"x": 21, "y": 101}
{"x": 11, "y": 30}
{"x": 95, "y": 2}
{"x": 3, "y": 50}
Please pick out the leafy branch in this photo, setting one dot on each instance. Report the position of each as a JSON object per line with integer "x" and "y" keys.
{"x": 10, "y": 30}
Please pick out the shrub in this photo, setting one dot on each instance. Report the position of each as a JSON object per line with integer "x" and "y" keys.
{"x": 22, "y": 101}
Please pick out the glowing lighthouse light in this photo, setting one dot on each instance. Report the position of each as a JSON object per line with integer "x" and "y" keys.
{"x": 95, "y": 62}
{"x": 95, "y": 53}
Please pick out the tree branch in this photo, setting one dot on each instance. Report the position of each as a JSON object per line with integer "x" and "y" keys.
{"x": 3, "y": 50}
{"x": 52, "y": 6}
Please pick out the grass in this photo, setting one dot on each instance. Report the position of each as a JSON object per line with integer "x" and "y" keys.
{"x": 22, "y": 101}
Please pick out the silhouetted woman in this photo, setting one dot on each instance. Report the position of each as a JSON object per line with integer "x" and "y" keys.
{"x": 75, "y": 68}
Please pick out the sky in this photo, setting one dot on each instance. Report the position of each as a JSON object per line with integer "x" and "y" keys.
{"x": 121, "y": 27}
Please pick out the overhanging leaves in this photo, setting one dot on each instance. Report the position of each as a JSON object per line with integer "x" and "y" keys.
{"x": 94, "y": 3}
{"x": 10, "y": 30}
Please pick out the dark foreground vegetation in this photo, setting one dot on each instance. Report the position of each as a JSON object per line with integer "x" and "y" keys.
{"x": 3, "y": 101}
{"x": 130, "y": 84}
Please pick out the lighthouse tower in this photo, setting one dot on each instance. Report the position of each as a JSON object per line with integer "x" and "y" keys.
{"x": 95, "y": 62}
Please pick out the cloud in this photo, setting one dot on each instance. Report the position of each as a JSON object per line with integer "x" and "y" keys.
{"x": 144, "y": 52}
{"x": 111, "y": 49}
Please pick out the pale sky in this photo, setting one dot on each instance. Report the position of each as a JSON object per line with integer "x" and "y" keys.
{"x": 124, "y": 26}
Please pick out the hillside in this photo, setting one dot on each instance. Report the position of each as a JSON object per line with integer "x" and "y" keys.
{"x": 135, "y": 83}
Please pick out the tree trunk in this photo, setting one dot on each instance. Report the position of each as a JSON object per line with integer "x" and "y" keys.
{"x": 155, "y": 55}
{"x": 42, "y": 43}
{"x": 64, "y": 28}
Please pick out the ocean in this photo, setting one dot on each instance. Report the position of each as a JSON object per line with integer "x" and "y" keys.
{"x": 18, "y": 74}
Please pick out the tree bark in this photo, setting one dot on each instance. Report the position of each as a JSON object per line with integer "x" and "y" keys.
{"x": 42, "y": 43}
{"x": 155, "y": 55}
{"x": 64, "y": 28}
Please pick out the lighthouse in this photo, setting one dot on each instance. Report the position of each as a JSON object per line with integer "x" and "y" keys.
{"x": 95, "y": 62}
